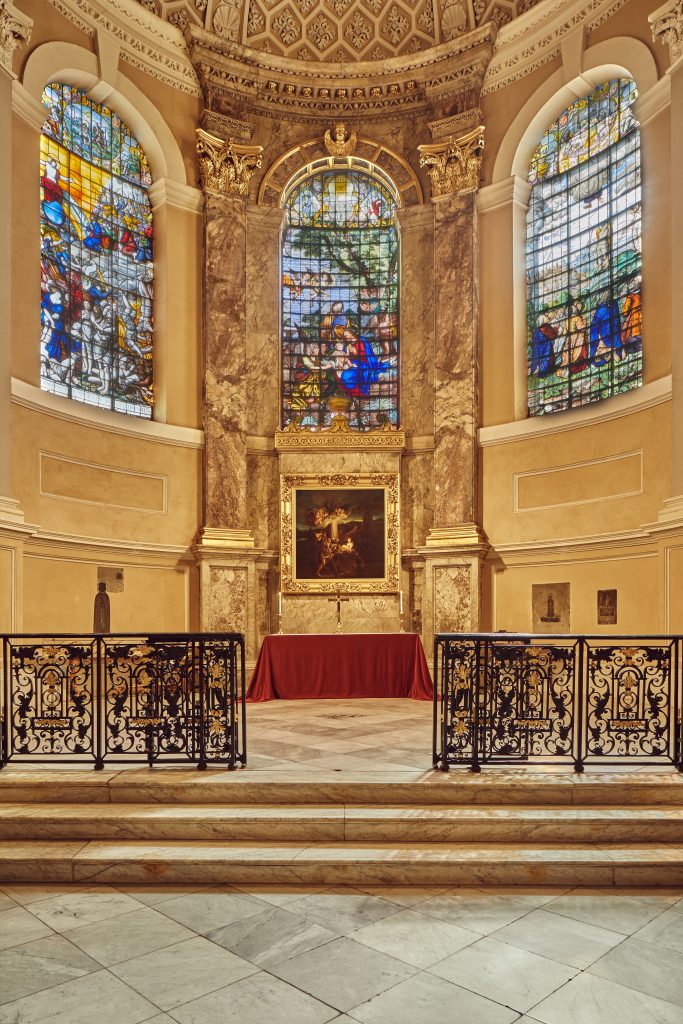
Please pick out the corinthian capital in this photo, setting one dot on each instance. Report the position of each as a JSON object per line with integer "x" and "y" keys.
{"x": 454, "y": 165}
{"x": 226, "y": 166}
{"x": 15, "y": 28}
{"x": 667, "y": 26}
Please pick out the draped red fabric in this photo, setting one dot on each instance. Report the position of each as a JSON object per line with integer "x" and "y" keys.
{"x": 297, "y": 667}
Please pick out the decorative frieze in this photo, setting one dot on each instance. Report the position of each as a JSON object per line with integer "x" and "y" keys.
{"x": 454, "y": 165}
{"x": 226, "y": 166}
{"x": 15, "y": 30}
{"x": 667, "y": 27}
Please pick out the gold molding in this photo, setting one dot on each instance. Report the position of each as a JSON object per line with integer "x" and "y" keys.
{"x": 343, "y": 143}
{"x": 339, "y": 439}
{"x": 454, "y": 165}
{"x": 226, "y": 166}
{"x": 390, "y": 483}
{"x": 224, "y": 537}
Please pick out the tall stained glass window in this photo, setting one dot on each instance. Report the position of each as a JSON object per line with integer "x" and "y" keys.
{"x": 584, "y": 254}
{"x": 96, "y": 256}
{"x": 340, "y": 270}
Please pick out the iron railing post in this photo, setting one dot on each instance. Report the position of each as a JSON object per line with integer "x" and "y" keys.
{"x": 475, "y": 701}
{"x": 580, "y": 697}
{"x": 99, "y": 690}
{"x": 435, "y": 702}
{"x": 243, "y": 701}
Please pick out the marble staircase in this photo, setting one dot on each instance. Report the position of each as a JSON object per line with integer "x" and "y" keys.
{"x": 501, "y": 827}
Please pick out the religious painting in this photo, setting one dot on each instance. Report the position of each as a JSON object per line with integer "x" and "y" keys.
{"x": 550, "y": 608}
{"x": 584, "y": 315}
{"x": 340, "y": 533}
{"x": 339, "y": 303}
{"x": 607, "y": 607}
{"x": 96, "y": 256}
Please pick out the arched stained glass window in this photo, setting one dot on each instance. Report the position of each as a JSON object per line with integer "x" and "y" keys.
{"x": 96, "y": 256}
{"x": 584, "y": 254}
{"x": 340, "y": 272}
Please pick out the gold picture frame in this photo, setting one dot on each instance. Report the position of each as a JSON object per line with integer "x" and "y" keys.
{"x": 339, "y": 533}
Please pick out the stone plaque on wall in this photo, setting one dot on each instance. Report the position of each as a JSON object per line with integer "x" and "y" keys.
{"x": 112, "y": 576}
{"x": 550, "y": 608}
{"x": 607, "y": 607}
{"x": 453, "y": 602}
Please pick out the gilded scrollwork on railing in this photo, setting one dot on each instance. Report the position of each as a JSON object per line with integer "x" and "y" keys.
{"x": 454, "y": 165}
{"x": 226, "y": 166}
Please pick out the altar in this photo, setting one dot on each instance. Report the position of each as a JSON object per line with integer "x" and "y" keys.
{"x": 341, "y": 666}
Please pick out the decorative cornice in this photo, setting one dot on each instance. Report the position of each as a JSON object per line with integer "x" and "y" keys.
{"x": 147, "y": 43}
{"x": 225, "y": 127}
{"x": 667, "y": 27}
{"x": 15, "y": 31}
{"x": 535, "y": 38}
{"x": 226, "y": 166}
{"x": 340, "y": 440}
{"x": 165, "y": 192}
{"x": 504, "y": 193}
{"x": 455, "y": 124}
{"x": 454, "y": 166}
{"x": 234, "y": 76}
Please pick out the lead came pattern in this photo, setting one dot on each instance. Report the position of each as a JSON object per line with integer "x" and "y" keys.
{"x": 584, "y": 254}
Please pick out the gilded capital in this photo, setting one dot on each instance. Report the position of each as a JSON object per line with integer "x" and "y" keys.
{"x": 226, "y": 166}
{"x": 667, "y": 26}
{"x": 454, "y": 165}
{"x": 15, "y": 29}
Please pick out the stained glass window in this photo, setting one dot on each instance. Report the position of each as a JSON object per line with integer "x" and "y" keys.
{"x": 340, "y": 334}
{"x": 584, "y": 254}
{"x": 96, "y": 256}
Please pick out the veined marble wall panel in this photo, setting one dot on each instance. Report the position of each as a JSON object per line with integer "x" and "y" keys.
{"x": 263, "y": 491}
{"x": 416, "y": 227}
{"x": 331, "y": 462}
{"x": 228, "y": 587}
{"x": 263, "y": 320}
{"x": 452, "y": 599}
{"x": 417, "y": 498}
{"x": 363, "y": 613}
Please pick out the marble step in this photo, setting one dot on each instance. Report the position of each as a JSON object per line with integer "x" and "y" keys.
{"x": 130, "y": 862}
{"x": 312, "y": 823}
{"x": 520, "y": 787}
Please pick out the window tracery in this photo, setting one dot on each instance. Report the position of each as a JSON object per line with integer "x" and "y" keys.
{"x": 584, "y": 314}
{"x": 96, "y": 256}
{"x": 339, "y": 302}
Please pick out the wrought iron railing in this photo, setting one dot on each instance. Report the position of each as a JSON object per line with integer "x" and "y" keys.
{"x": 161, "y": 698}
{"x": 517, "y": 698}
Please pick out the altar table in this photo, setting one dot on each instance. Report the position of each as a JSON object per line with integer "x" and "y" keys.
{"x": 340, "y": 665}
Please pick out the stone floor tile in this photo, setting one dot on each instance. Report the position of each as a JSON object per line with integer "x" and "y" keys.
{"x": 25, "y": 893}
{"x": 41, "y": 964}
{"x": 404, "y": 895}
{"x": 590, "y": 1000}
{"x": 654, "y": 970}
{"x": 532, "y": 896}
{"x": 665, "y": 930}
{"x": 260, "y": 999}
{"x": 474, "y": 909}
{"x": 414, "y": 938}
{"x": 342, "y": 909}
{"x": 425, "y": 999}
{"x": 570, "y": 942}
{"x": 206, "y": 911}
{"x": 97, "y": 997}
{"x": 620, "y": 913}
{"x": 131, "y": 935}
{"x": 151, "y": 895}
{"x": 178, "y": 974}
{"x": 279, "y": 895}
{"x": 343, "y": 973}
{"x": 73, "y": 909}
{"x": 6, "y": 902}
{"x": 508, "y": 975}
{"x": 271, "y": 937}
{"x": 18, "y": 926}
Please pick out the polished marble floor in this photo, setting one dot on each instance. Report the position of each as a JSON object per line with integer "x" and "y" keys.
{"x": 306, "y": 955}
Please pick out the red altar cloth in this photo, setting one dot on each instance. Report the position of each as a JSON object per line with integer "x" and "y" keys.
{"x": 328, "y": 666}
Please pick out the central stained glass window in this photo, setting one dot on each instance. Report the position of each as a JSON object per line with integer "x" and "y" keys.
{"x": 96, "y": 256}
{"x": 340, "y": 277}
{"x": 584, "y": 254}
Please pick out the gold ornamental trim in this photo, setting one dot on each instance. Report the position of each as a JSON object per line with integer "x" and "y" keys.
{"x": 226, "y": 166}
{"x": 343, "y": 143}
{"x": 290, "y": 484}
{"x": 335, "y": 438}
{"x": 454, "y": 165}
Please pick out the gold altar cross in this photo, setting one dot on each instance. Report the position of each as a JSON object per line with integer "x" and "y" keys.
{"x": 338, "y": 598}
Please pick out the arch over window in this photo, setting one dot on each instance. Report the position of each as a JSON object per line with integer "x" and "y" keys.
{"x": 96, "y": 256}
{"x": 339, "y": 299}
{"x": 584, "y": 254}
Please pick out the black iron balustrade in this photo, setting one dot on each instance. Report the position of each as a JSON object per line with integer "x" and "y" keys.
{"x": 168, "y": 698}
{"x": 502, "y": 698}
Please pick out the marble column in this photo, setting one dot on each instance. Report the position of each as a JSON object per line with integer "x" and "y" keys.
{"x": 455, "y": 545}
{"x": 15, "y": 29}
{"x": 226, "y": 550}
